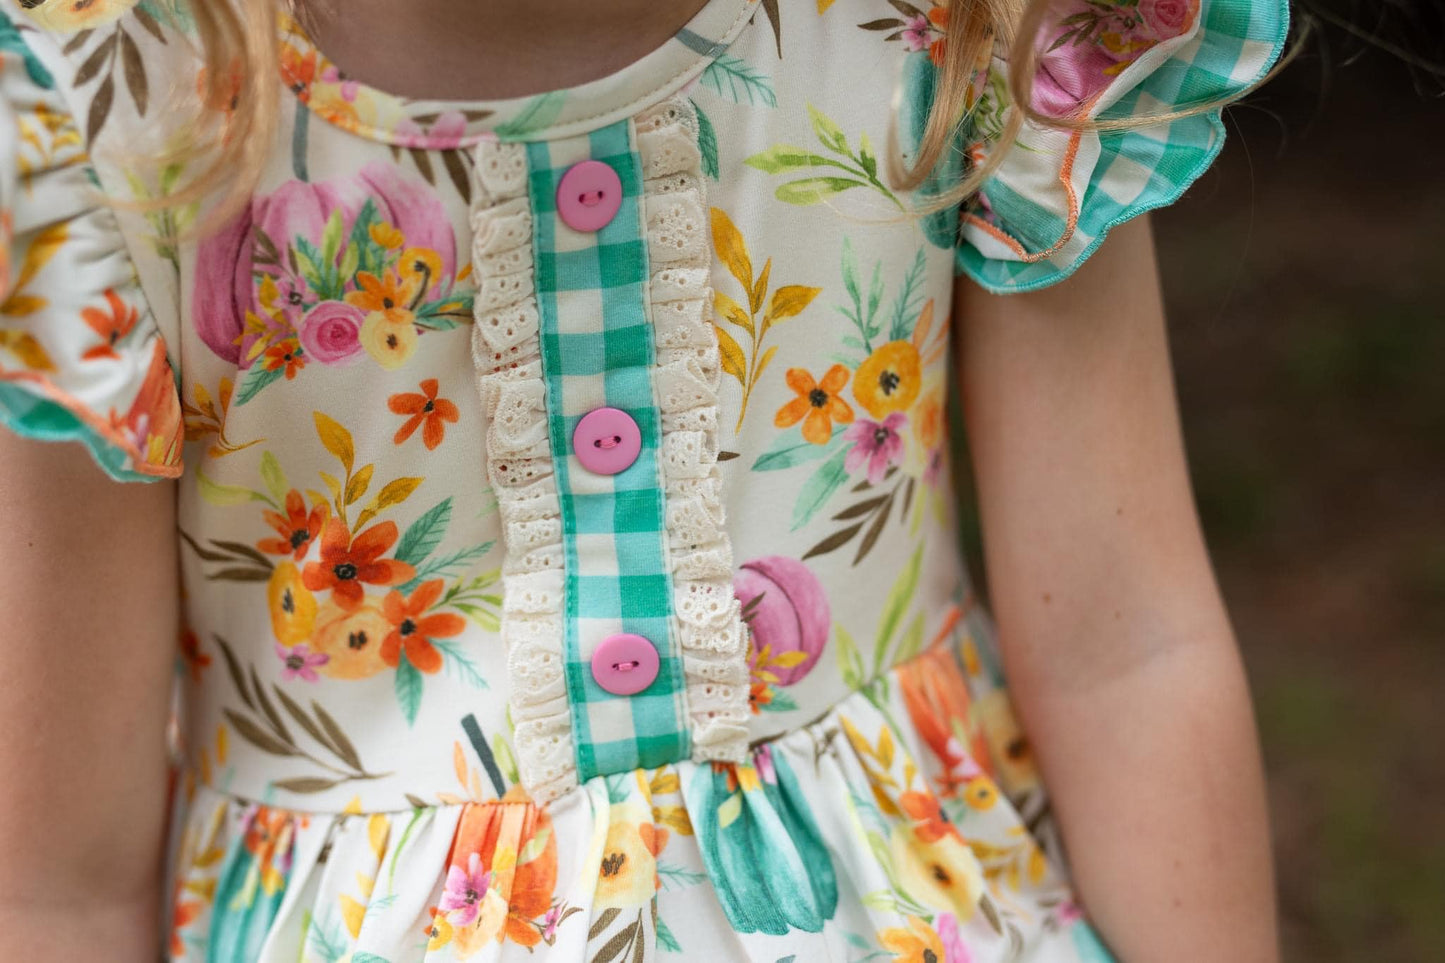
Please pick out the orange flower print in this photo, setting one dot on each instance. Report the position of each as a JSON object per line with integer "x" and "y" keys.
{"x": 192, "y": 656}
{"x": 412, "y": 630}
{"x": 938, "y": 703}
{"x": 919, "y": 943}
{"x": 818, "y": 404}
{"x": 938, "y": 17}
{"x": 427, "y": 411}
{"x": 929, "y": 823}
{"x": 184, "y": 914}
{"x": 296, "y": 528}
{"x": 346, "y": 563}
{"x": 515, "y": 848}
{"x": 268, "y": 840}
{"x": 112, "y": 326}
{"x": 287, "y": 354}
{"x": 298, "y": 70}
{"x": 390, "y": 294}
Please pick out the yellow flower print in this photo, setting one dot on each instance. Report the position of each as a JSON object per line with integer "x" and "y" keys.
{"x": 928, "y": 419}
{"x": 919, "y": 943}
{"x": 628, "y": 876}
{"x": 438, "y": 932}
{"x": 386, "y": 235}
{"x": 980, "y": 793}
{"x": 68, "y": 16}
{"x": 390, "y": 342}
{"x": 889, "y": 380}
{"x": 293, "y": 607}
{"x": 419, "y": 269}
{"x": 943, "y": 874}
{"x": 1011, "y": 758}
{"x": 351, "y": 640}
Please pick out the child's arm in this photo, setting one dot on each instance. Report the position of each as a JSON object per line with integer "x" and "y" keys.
{"x": 88, "y": 623}
{"x": 1119, "y": 651}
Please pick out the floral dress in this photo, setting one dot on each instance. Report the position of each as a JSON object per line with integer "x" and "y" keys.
{"x": 568, "y": 561}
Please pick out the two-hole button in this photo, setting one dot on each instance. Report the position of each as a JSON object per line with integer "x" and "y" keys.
{"x": 589, "y": 196}
{"x": 624, "y": 664}
{"x": 607, "y": 441}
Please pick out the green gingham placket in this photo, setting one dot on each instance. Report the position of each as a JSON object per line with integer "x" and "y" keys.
{"x": 597, "y": 351}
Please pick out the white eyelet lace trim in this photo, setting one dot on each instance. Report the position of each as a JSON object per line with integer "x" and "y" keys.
{"x": 507, "y": 354}
{"x": 685, "y": 379}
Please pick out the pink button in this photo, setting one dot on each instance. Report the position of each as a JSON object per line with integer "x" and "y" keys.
{"x": 589, "y": 195}
{"x": 624, "y": 664}
{"x": 607, "y": 441}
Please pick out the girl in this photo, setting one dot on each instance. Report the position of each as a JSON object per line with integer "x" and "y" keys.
{"x": 550, "y": 531}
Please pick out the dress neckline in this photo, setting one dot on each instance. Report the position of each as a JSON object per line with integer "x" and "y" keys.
{"x": 417, "y": 123}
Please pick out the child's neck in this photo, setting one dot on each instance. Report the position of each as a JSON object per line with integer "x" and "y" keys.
{"x": 488, "y": 49}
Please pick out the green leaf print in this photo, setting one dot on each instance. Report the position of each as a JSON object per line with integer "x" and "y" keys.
{"x": 899, "y": 599}
{"x": 819, "y": 487}
{"x": 706, "y": 143}
{"x": 811, "y": 190}
{"x": 408, "y": 687}
{"x": 850, "y": 662}
{"x": 539, "y": 113}
{"x": 862, "y": 166}
{"x": 731, "y": 77}
{"x": 274, "y": 477}
{"x": 827, "y": 131}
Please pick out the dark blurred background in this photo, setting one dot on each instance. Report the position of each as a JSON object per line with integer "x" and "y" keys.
{"x": 1304, "y": 278}
{"x": 1305, "y": 283}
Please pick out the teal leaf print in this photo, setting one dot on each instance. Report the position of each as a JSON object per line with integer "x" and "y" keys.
{"x": 258, "y": 377}
{"x": 731, "y": 77}
{"x": 910, "y": 295}
{"x": 326, "y": 941}
{"x": 706, "y": 143}
{"x": 790, "y": 449}
{"x": 408, "y": 686}
{"x": 677, "y": 877}
{"x": 819, "y": 487}
{"x": 665, "y": 939}
{"x": 459, "y": 663}
{"x": 444, "y": 565}
{"x": 539, "y": 113}
{"x": 781, "y": 702}
{"x": 11, "y": 42}
{"x": 423, "y": 535}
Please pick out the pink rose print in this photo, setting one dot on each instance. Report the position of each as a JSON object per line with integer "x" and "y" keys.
{"x": 788, "y": 612}
{"x": 330, "y": 333}
{"x": 1167, "y": 18}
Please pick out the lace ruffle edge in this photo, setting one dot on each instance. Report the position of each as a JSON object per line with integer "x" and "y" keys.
{"x": 686, "y": 377}
{"x": 507, "y": 354}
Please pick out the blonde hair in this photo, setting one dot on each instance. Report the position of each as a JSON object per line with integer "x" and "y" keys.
{"x": 242, "y": 62}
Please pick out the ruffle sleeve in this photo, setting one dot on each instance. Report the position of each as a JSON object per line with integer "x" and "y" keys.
{"x": 1057, "y": 193}
{"x": 81, "y": 357}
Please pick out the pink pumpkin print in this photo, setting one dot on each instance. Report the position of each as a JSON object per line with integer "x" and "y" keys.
{"x": 788, "y": 611}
